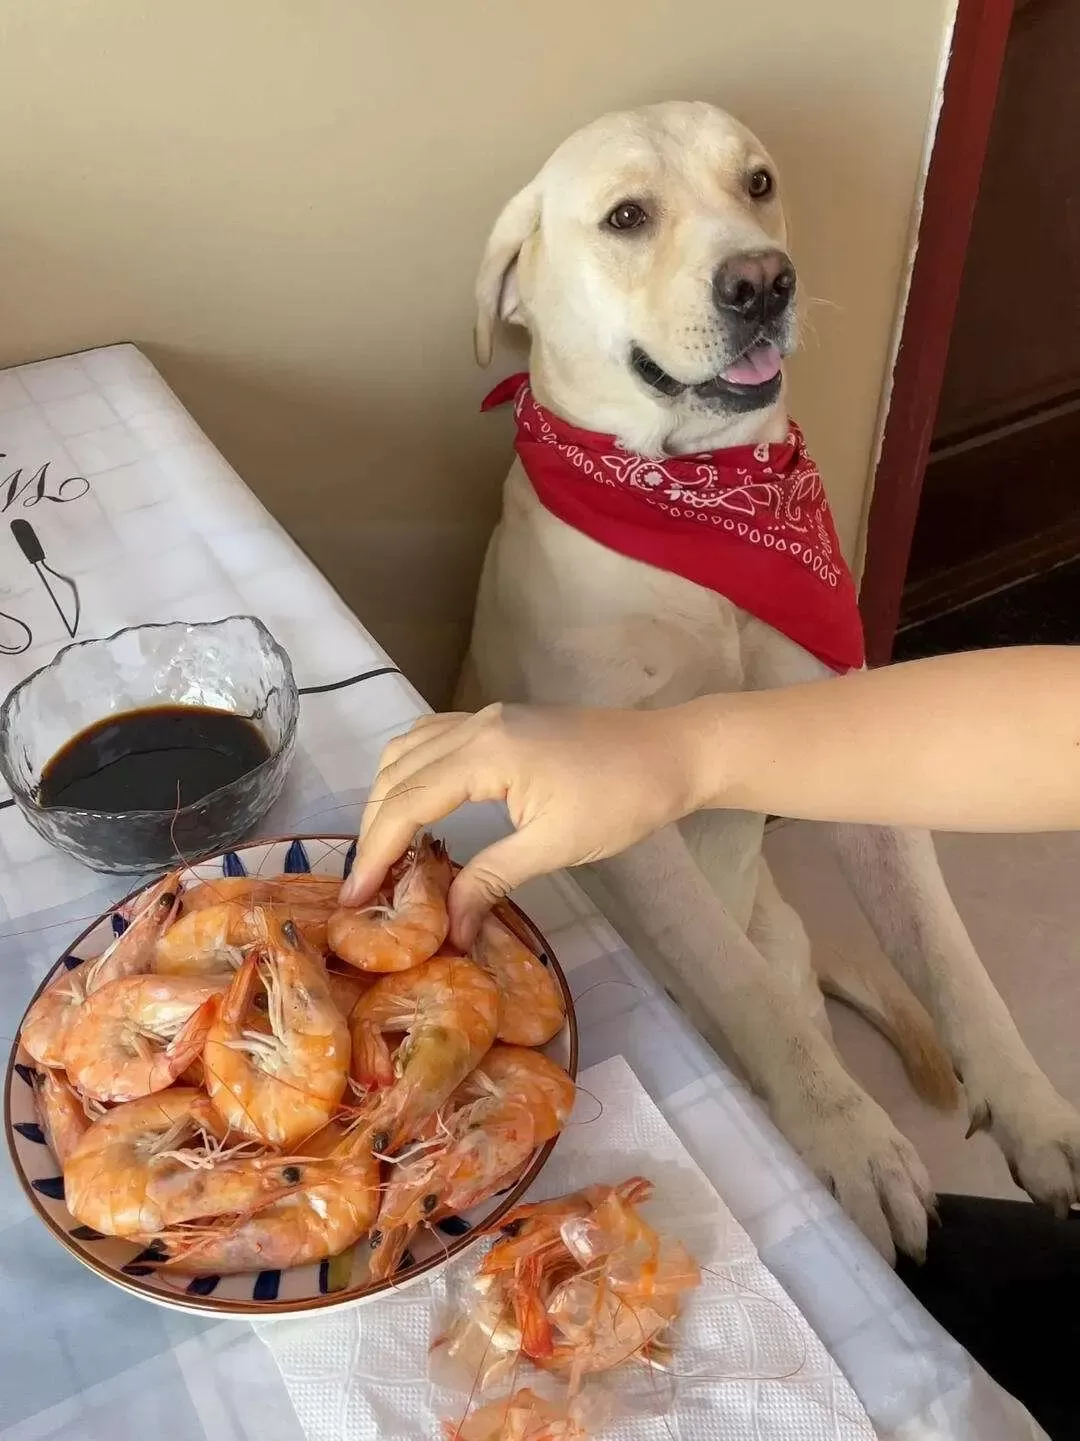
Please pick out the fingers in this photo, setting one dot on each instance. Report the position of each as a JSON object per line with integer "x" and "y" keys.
{"x": 420, "y": 786}
{"x": 423, "y": 776}
{"x": 403, "y": 757}
{"x": 412, "y": 752}
{"x": 421, "y": 733}
{"x": 490, "y": 877}
{"x": 392, "y": 820}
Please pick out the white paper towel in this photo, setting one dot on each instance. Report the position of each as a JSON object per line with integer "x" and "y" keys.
{"x": 749, "y": 1364}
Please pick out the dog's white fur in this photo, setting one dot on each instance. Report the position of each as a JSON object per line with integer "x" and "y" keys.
{"x": 561, "y": 619}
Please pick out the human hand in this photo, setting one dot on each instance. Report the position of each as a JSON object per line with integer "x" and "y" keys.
{"x": 579, "y": 785}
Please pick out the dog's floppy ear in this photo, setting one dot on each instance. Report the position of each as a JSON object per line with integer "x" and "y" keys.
{"x": 496, "y": 287}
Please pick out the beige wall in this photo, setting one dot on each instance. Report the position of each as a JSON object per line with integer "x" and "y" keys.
{"x": 283, "y": 202}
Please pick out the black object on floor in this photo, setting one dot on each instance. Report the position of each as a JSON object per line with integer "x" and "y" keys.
{"x": 1003, "y": 1278}
{"x": 1044, "y": 610}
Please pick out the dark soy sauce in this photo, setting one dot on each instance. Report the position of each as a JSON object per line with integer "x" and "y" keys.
{"x": 152, "y": 760}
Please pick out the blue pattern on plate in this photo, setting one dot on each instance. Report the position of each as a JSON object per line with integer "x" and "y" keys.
{"x": 453, "y": 1226}
{"x": 406, "y": 1261}
{"x": 119, "y": 925}
{"x": 71, "y": 962}
{"x": 85, "y": 1233}
{"x": 266, "y": 1286}
{"x": 232, "y": 865}
{"x": 350, "y": 856}
{"x": 25, "y": 1073}
{"x": 138, "y": 1266}
{"x": 51, "y": 1186}
{"x": 31, "y": 1130}
{"x": 203, "y": 1285}
{"x": 154, "y": 1252}
{"x": 324, "y": 1278}
{"x": 296, "y": 860}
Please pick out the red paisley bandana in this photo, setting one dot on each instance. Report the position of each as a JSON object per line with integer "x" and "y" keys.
{"x": 751, "y": 523}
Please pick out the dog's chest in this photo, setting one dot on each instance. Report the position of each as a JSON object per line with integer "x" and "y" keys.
{"x": 556, "y": 587}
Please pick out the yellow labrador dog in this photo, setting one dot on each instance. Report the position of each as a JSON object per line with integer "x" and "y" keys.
{"x": 648, "y": 262}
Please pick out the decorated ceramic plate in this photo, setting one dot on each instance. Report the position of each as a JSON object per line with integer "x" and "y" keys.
{"x": 339, "y": 1282}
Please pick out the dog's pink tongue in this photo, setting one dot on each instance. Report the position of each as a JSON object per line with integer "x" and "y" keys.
{"x": 756, "y": 367}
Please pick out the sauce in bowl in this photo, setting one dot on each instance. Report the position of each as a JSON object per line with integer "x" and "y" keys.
{"x": 155, "y": 759}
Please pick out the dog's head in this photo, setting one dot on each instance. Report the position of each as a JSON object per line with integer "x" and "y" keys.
{"x": 648, "y": 261}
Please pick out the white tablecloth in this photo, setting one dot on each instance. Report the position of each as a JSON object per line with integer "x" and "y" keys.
{"x": 133, "y": 504}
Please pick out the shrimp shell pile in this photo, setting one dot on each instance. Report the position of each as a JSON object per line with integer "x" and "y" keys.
{"x": 254, "y": 1077}
{"x": 575, "y": 1289}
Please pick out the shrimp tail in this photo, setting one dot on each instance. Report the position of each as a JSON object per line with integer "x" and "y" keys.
{"x": 186, "y": 1048}
{"x": 238, "y": 998}
{"x": 372, "y": 1063}
{"x": 537, "y": 1340}
{"x": 634, "y": 1191}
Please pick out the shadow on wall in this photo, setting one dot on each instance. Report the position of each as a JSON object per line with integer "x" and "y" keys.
{"x": 393, "y": 496}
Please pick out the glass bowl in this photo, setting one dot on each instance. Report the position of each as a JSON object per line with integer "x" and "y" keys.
{"x": 233, "y": 665}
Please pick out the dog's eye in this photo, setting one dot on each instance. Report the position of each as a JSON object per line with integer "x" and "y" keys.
{"x": 760, "y": 184}
{"x": 627, "y": 216}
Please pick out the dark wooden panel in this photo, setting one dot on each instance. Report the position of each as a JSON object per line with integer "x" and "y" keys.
{"x": 1016, "y": 337}
{"x": 978, "y": 49}
{"x": 995, "y": 507}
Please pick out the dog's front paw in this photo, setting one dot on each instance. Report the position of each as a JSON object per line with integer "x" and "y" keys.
{"x": 872, "y": 1170}
{"x": 1039, "y": 1133}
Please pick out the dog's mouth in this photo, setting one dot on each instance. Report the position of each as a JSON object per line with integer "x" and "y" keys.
{"x": 749, "y": 383}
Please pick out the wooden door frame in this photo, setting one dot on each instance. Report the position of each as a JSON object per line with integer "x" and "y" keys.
{"x": 976, "y": 57}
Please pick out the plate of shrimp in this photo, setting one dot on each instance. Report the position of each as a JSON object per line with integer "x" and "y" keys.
{"x": 233, "y": 1095}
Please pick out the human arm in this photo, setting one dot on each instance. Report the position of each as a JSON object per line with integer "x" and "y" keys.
{"x": 985, "y": 741}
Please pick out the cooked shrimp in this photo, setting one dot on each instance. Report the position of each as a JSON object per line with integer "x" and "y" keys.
{"x": 153, "y": 1163}
{"x": 514, "y": 1101}
{"x": 278, "y": 1075}
{"x": 49, "y": 1019}
{"x": 347, "y": 990}
{"x": 301, "y": 890}
{"x": 131, "y": 909}
{"x": 137, "y": 1035}
{"x": 409, "y": 928}
{"x": 64, "y": 1117}
{"x": 214, "y": 938}
{"x": 524, "y": 1416}
{"x": 322, "y": 1217}
{"x": 530, "y": 1002}
{"x": 205, "y": 942}
{"x": 447, "y": 1009}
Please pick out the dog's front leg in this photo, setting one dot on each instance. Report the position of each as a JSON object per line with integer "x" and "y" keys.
{"x": 750, "y": 1010}
{"x": 897, "y": 880}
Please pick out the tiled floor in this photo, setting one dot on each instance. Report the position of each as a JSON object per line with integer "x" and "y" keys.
{"x": 1020, "y": 898}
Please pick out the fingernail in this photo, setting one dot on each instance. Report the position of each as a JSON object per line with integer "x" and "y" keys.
{"x": 463, "y": 931}
{"x": 353, "y": 887}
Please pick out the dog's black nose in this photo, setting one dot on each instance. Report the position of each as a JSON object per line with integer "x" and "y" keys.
{"x": 756, "y": 285}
